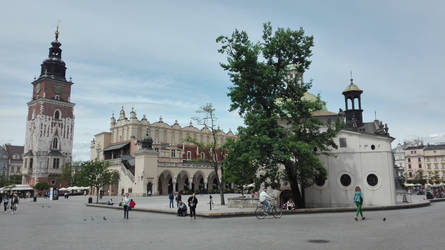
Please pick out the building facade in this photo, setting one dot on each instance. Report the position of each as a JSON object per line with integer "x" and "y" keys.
{"x": 171, "y": 164}
{"x": 425, "y": 160}
{"x": 15, "y": 159}
{"x": 50, "y": 121}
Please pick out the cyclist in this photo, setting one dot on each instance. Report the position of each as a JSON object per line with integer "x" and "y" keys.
{"x": 264, "y": 196}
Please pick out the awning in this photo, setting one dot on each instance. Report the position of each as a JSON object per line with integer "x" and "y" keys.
{"x": 117, "y": 146}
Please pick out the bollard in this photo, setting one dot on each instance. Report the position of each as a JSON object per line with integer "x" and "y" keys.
{"x": 34, "y": 199}
{"x": 210, "y": 203}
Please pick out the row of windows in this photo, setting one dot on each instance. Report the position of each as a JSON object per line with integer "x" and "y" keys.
{"x": 346, "y": 180}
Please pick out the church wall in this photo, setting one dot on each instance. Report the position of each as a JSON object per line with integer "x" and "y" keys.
{"x": 357, "y": 160}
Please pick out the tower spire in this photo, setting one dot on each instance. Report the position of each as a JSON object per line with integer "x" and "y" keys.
{"x": 57, "y": 32}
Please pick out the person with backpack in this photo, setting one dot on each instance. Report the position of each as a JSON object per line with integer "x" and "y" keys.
{"x": 358, "y": 200}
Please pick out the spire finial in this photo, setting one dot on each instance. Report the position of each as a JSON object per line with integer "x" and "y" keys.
{"x": 57, "y": 31}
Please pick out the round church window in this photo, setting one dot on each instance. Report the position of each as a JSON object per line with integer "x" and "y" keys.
{"x": 372, "y": 180}
{"x": 345, "y": 180}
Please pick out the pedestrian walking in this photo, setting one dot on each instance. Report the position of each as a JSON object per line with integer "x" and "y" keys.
{"x": 192, "y": 201}
{"x": 5, "y": 202}
{"x": 358, "y": 200}
{"x": 14, "y": 203}
{"x": 170, "y": 198}
{"x": 178, "y": 198}
{"x": 126, "y": 205}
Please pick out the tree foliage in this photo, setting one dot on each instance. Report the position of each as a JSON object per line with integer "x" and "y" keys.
{"x": 96, "y": 174}
{"x": 238, "y": 167}
{"x": 41, "y": 186}
{"x": 279, "y": 127}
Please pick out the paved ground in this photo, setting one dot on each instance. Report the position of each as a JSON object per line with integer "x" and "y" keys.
{"x": 69, "y": 224}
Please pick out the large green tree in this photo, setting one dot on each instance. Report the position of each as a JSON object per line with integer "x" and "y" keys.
{"x": 96, "y": 174}
{"x": 280, "y": 130}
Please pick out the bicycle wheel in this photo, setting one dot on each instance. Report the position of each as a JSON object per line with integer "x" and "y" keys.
{"x": 277, "y": 212}
{"x": 260, "y": 213}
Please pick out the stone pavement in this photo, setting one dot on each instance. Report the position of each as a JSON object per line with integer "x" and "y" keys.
{"x": 160, "y": 204}
{"x": 69, "y": 224}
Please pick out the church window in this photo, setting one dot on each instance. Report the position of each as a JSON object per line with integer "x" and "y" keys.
{"x": 372, "y": 180}
{"x": 410, "y": 174}
{"x": 345, "y": 180}
{"x": 342, "y": 142}
{"x": 189, "y": 155}
{"x": 55, "y": 143}
{"x": 173, "y": 153}
{"x": 57, "y": 115}
{"x": 30, "y": 163}
{"x": 420, "y": 165}
{"x": 56, "y": 162}
{"x": 409, "y": 166}
{"x": 419, "y": 159}
{"x": 409, "y": 159}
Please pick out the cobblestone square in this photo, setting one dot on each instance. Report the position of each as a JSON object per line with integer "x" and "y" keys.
{"x": 69, "y": 224}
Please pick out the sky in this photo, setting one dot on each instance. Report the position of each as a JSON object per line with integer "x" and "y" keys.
{"x": 160, "y": 57}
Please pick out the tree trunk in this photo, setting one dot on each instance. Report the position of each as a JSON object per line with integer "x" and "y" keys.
{"x": 295, "y": 188}
{"x": 222, "y": 185}
{"x": 97, "y": 194}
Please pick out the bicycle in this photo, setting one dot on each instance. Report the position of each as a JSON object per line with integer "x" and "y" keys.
{"x": 260, "y": 211}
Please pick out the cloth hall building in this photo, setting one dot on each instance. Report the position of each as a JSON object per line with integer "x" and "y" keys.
{"x": 171, "y": 165}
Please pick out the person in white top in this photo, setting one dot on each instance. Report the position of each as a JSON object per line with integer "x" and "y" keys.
{"x": 126, "y": 205}
{"x": 264, "y": 196}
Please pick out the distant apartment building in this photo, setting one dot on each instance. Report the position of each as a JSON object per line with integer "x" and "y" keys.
{"x": 430, "y": 159}
{"x": 414, "y": 160}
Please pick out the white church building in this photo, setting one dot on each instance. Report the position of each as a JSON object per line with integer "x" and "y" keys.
{"x": 363, "y": 158}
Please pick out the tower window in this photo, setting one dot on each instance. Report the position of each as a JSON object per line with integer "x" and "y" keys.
{"x": 56, "y": 163}
{"x": 57, "y": 115}
{"x": 55, "y": 144}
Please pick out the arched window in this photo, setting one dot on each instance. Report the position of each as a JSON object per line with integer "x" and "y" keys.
{"x": 57, "y": 115}
{"x": 55, "y": 143}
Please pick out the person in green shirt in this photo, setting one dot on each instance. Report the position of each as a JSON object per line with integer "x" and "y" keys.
{"x": 358, "y": 200}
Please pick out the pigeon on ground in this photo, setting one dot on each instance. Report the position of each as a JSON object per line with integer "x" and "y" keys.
{"x": 105, "y": 218}
{"x": 384, "y": 219}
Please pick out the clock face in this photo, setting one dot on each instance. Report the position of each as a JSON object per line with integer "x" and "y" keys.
{"x": 38, "y": 88}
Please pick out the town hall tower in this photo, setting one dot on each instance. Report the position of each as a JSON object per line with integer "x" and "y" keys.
{"x": 50, "y": 121}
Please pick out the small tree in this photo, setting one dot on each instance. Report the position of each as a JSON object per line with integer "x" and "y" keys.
{"x": 208, "y": 118}
{"x": 41, "y": 186}
{"x": 96, "y": 174}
